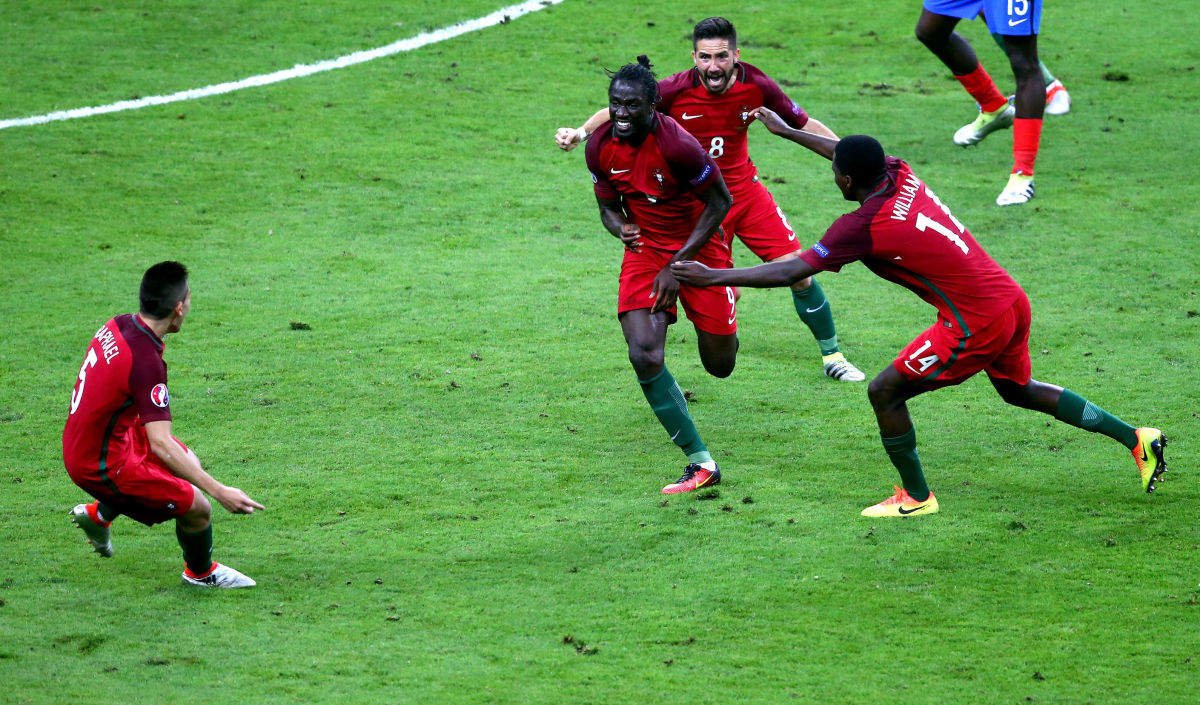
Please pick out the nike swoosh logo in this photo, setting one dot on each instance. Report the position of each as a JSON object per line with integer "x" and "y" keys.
{"x": 792, "y": 236}
{"x": 685, "y": 116}
{"x": 1014, "y": 24}
{"x": 676, "y": 435}
{"x": 914, "y": 509}
{"x": 617, "y": 171}
{"x": 814, "y": 310}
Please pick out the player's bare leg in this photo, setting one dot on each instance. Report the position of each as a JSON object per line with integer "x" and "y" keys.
{"x": 937, "y": 33}
{"x": 718, "y": 353}
{"x": 1030, "y": 103}
{"x": 1145, "y": 444}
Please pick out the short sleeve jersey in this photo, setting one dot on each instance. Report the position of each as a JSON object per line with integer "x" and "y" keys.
{"x": 904, "y": 234}
{"x": 123, "y": 382}
{"x": 720, "y": 122}
{"x": 656, "y": 180}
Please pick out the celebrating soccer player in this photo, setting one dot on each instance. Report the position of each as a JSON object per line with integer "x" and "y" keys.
{"x": 905, "y": 234}
{"x": 663, "y": 197}
{"x": 117, "y": 444}
{"x": 714, "y": 101}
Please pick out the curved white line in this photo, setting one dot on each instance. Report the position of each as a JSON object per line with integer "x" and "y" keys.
{"x": 425, "y": 38}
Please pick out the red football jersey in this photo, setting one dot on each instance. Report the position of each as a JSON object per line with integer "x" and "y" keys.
{"x": 904, "y": 234}
{"x": 655, "y": 179}
{"x": 123, "y": 382}
{"x": 720, "y": 122}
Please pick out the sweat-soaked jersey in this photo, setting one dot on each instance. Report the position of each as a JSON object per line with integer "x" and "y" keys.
{"x": 122, "y": 383}
{"x": 719, "y": 122}
{"x": 904, "y": 234}
{"x": 655, "y": 180}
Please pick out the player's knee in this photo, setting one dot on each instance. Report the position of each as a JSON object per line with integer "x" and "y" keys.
{"x": 1012, "y": 394}
{"x": 1024, "y": 396}
{"x": 720, "y": 368}
{"x": 646, "y": 361}
{"x": 199, "y": 515}
{"x": 805, "y": 283}
{"x": 927, "y": 34}
{"x": 881, "y": 393}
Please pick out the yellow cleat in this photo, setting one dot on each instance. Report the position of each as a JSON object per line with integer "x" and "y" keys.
{"x": 901, "y": 505}
{"x": 984, "y": 125}
{"x": 1151, "y": 443}
{"x": 1018, "y": 190}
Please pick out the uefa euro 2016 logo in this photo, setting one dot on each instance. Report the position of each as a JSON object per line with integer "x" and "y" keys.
{"x": 159, "y": 396}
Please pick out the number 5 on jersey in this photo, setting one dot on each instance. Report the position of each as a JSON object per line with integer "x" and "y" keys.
{"x": 89, "y": 361}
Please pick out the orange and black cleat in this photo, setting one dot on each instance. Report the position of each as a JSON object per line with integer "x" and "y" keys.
{"x": 695, "y": 476}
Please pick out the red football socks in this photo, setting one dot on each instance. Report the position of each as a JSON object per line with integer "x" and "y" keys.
{"x": 983, "y": 89}
{"x": 94, "y": 515}
{"x": 1027, "y": 133}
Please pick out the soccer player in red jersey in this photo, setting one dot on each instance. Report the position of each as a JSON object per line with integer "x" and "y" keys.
{"x": 714, "y": 101}
{"x": 663, "y": 197}
{"x": 117, "y": 443}
{"x": 905, "y": 234}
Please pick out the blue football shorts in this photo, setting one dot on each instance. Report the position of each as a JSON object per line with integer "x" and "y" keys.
{"x": 1010, "y": 18}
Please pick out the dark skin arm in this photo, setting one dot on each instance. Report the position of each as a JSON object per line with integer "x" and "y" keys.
{"x": 717, "y": 203}
{"x": 818, "y": 143}
{"x": 772, "y": 274}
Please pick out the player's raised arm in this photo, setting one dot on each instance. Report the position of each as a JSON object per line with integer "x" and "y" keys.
{"x": 567, "y": 138}
{"x": 772, "y": 274}
{"x": 820, "y": 144}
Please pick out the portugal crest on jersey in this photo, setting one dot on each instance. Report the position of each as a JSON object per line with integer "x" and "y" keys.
{"x": 159, "y": 396}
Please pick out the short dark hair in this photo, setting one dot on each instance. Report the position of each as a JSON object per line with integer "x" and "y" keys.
{"x": 638, "y": 74}
{"x": 163, "y": 285}
{"x": 861, "y": 158}
{"x": 714, "y": 28}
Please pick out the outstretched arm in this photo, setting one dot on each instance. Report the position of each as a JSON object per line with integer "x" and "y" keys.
{"x": 568, "y": 137}
{"x": 819, "y": 143}
{"x": 183, "y": 463}
{"x": 817, "y": 127}
{"x": 772, "y": 274}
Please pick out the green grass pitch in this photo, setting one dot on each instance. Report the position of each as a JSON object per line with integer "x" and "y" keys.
{"x": 403, "y": 343}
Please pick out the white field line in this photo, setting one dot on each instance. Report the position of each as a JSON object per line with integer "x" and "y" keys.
{"x": 499, "y": 16}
